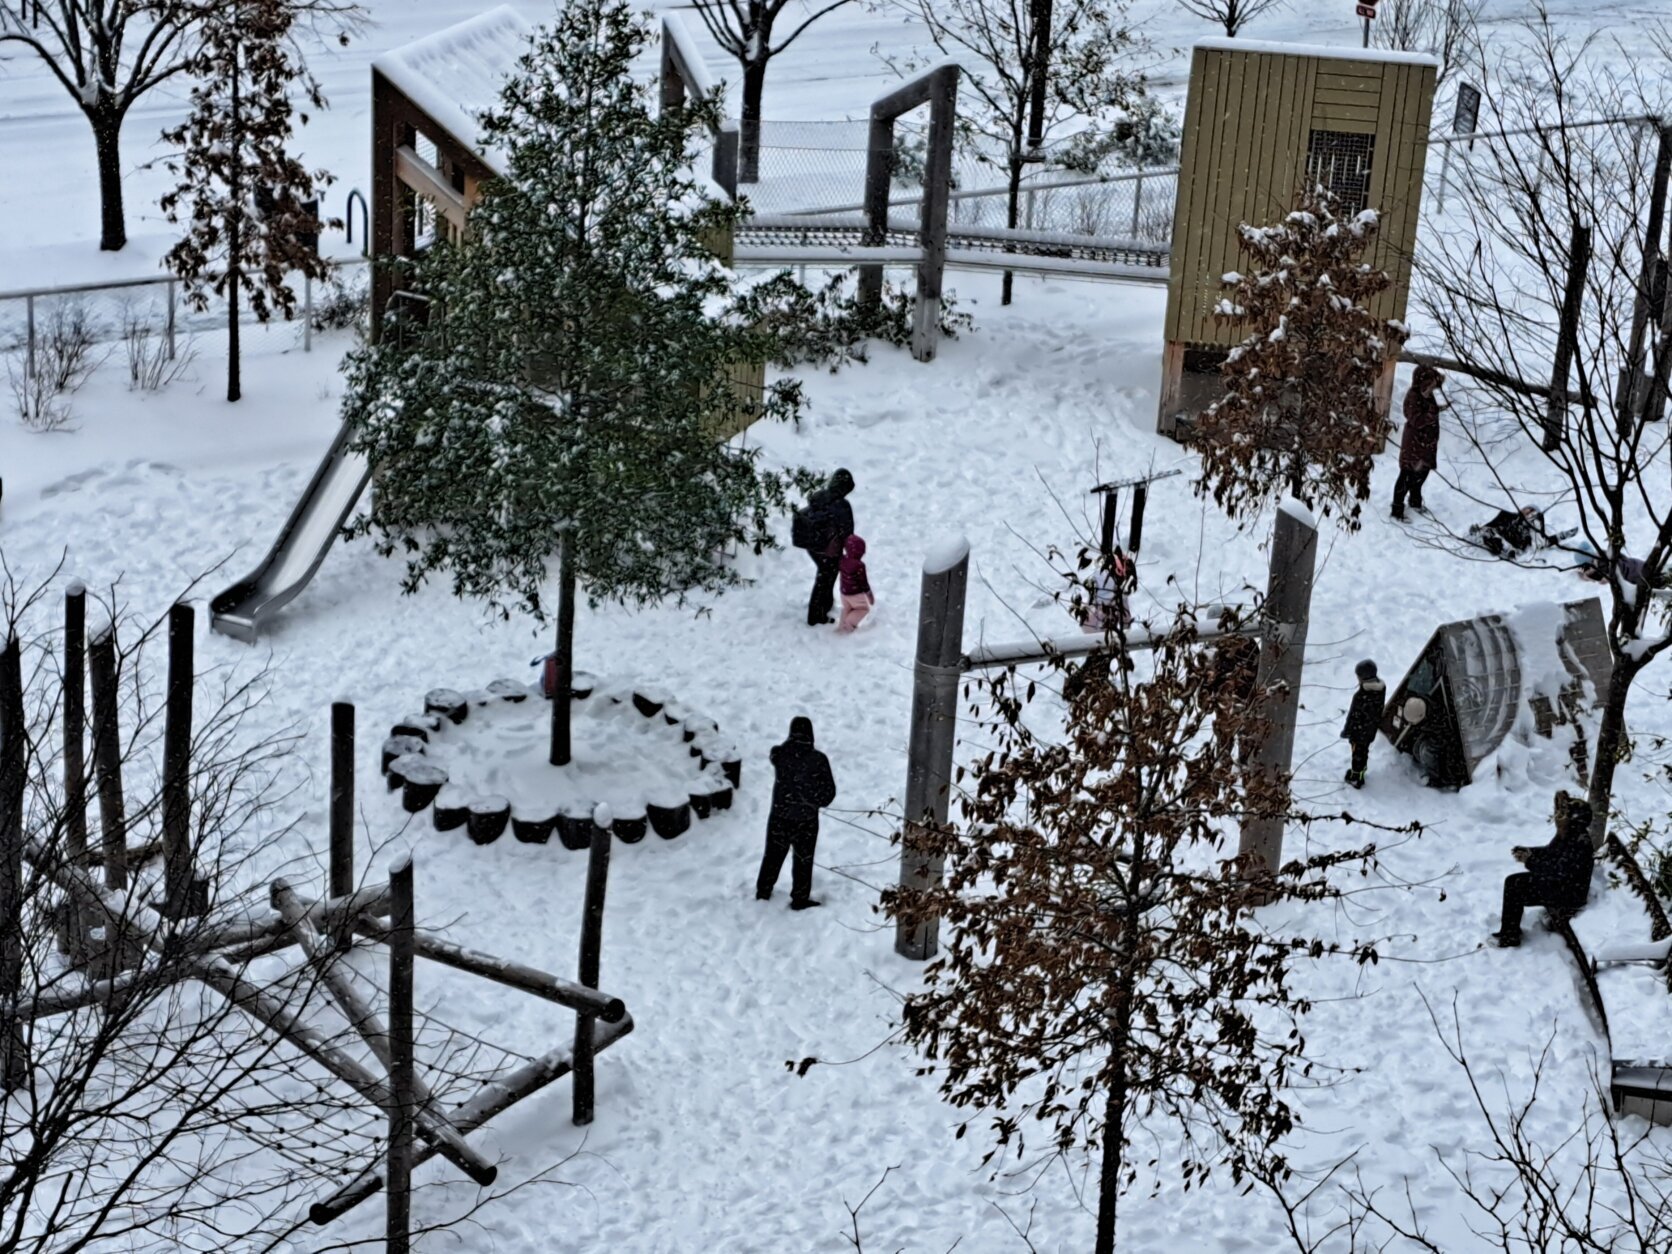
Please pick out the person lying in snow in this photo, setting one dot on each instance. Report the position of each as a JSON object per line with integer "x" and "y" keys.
{"x": 1558, "y": 875}
{"x": 1513, "y": 533}
{"x": 1594, "y": 567}
{"x": 1364, "y": 719}
{"x": 856, "y": 586}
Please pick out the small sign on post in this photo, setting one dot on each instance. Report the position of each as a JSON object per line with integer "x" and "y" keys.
{"x": 1467, "y": 118}
{"x": 1366, "y": 11}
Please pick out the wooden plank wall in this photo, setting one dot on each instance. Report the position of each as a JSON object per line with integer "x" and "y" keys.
{"x": 1247, "y": 122}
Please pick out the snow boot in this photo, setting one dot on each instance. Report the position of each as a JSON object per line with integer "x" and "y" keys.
{"x": 805, "y": 905}
{"x": 1507, "y": 938}
{"x": 1398, "y": 515}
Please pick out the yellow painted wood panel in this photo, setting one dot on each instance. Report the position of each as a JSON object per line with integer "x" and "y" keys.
{"x": 1349, "y": 82}
{"x": 1205, "y": 181}
{"x": 1192, "y": 159}
{"x": 1355, "y": 119}
{"x": 1323, "y": 96}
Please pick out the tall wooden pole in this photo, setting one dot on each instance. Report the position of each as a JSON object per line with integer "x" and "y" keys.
{"x": 592, "y": 945}
{"x": 403, "y": 1100}
{"x": 75, "y": 719}
{"x": 879, "y": 171}
{"x": 937, "y": 193}
{"x": 1106, "y": 536}
{"x": 1629, "y": 397}
{"x": 1294, "y": 554}
{"x": 177, "y": 751}
{"x": 342, "y": 808}
{"x": 107, "y": 760}
{"x": 934, "y": 724}
{"x": 14, "y": 1066}
{"x": 1573, "y": 301}
{"x": 1135, "y": 536}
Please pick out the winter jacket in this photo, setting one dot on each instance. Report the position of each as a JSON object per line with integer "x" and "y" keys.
{"x": 1561, "y": 870}
{"x": 802, "y": 783}
{"x": 1419, "y": 446}
{"x": 1235, "y": 668}
{"x": 854, "y": 578}
{"x": 1364, "y": 715}
{"x": 1510, "y": 533}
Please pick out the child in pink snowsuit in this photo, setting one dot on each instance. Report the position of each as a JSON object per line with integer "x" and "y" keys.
{"x": 856, "y": 586}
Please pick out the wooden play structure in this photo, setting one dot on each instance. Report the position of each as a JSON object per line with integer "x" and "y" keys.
{"x": 124, "y": 929}
{"x": 1468, "y": 688}
{"x": 429, "y": 160}
{"x": 942, "y": 663}
{"x": 1264, "y": 121}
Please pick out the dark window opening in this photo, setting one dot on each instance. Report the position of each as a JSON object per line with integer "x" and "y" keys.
{"x": 1340, "y": 162}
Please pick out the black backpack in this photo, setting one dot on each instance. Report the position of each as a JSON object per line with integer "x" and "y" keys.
{"x": 810, "y": 525}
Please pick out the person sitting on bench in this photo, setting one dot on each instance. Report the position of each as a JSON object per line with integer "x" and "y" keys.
{"x": 1558, "y": 875}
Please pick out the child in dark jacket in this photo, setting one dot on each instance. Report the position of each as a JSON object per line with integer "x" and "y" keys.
{"x": 1364, "y": 719}
{"x": 856, "y": 585}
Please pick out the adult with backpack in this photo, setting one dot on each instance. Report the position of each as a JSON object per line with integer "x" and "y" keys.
{"x": 822, "y": 529}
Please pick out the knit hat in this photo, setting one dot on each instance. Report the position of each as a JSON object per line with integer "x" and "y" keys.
{"x": 1365, "y": 670}
{"x": 841, "y": 483}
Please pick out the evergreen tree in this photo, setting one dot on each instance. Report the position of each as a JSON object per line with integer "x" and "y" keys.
{"x": 581, "y": 347}
{"x": 241, "y": 191}
{"x": 1299, "y": 414}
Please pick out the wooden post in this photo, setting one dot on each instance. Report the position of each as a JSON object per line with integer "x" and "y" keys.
{"x": 934, "y": 725}
{"x": 1140, "y": 498}
{"x": 75, "y": 719}
{"x": 178, "y": 880}
{"x": 937, "y": 187}
{"x": 879, "y": 172}
{"x": 402, "y": 1100}
{"x": 1573, "y": 300}
{"x": 1294, "y": 553}
{"x": 592, "y": 944}
{"x": 725, "y": 160}
{"x": 107, "y": 760}
{"x": 14, "y": 1065}
{"x": 1627, "y": 399}
{"x": 1106, "y": 537}
{"x": 342, "y": 809}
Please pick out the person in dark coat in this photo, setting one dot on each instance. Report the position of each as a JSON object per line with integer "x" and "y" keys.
{"x": 833, "y": 517}
{"x": 1419, "y": 446}
{"x": 1364, "y": 719}
{"x": 1558, "y": 875}
{"x": 802, "y": 784}
{"x": 1512, "y": 533}
{"x": 1232, "y": 677}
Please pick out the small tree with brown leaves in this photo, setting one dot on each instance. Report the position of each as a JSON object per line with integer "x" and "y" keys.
{"x": 1299, "y": 414}
{"x": 1104, "y": 960}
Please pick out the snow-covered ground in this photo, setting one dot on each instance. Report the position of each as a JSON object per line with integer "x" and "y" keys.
{"x": 705, "y": 1141}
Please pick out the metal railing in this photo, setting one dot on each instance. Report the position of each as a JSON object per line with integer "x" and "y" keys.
{"x": 22, "y": 310}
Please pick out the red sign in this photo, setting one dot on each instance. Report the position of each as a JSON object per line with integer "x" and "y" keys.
{"x": 1366, "y": 10}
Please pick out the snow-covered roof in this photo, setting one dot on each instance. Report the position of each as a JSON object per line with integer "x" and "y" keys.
{"x": 456, "y": 74}
{"x": 1333, "y": 51}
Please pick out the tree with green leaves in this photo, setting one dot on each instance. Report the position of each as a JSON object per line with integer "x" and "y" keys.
{"x": 243, "y": 194}
{"x": 1300, "y": 414}
{"x": 582, "y": 344}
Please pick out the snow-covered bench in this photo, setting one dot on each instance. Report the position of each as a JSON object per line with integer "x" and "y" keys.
{"x": 1629, "y": 979}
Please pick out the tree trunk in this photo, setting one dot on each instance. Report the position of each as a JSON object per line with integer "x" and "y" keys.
{"x": 107, "y": 139}
{"x": 1013, "y": 206}
{"x": 1610, "y": 740}
{"x": 234, "y": 383}
{"x": 1108, "y": 1175}
{"x": 1040, "y": 14}
{"x": 560, "y": 751}
{"x": 234, "y": 234}
{"x": 749, "y": 136}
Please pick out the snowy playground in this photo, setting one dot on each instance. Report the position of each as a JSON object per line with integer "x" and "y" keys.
{"x": 713, "y": 1132}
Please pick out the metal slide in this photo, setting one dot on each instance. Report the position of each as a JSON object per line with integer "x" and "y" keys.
{"x": 249, "y": 605}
